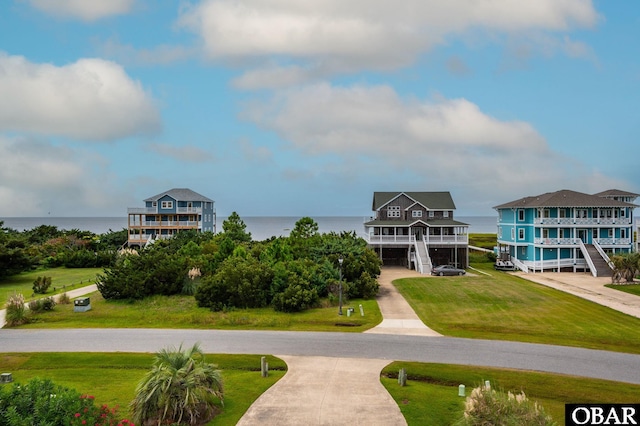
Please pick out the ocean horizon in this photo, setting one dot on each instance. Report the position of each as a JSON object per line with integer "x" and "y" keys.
{"x": 261, "y": 227}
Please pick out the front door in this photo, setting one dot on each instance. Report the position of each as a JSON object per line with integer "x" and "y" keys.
{"x": 418, "y": 233}
{"x": 582, "y": 234}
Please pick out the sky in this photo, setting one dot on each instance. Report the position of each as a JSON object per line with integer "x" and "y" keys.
{"x": 306, "y": 108}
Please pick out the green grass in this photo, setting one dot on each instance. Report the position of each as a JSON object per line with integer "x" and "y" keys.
{"x": 505, "y": 307}
{"x": 62, "y": 279}
{"x": 112, "y": 377}
{"x": 627, "y": 288}
{"x": 182, "y": 312}
{"x": 487, "y": 241}
{"x": 431, "y": 394}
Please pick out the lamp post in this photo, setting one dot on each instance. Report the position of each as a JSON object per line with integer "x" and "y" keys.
{"x": 340, "y": 260}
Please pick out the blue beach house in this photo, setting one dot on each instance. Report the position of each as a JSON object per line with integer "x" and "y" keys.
{"x": 566, "y": 230}
{"x": 168, "y": 213}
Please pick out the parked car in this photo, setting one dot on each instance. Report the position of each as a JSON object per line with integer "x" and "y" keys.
{"x": 447, "y": 270}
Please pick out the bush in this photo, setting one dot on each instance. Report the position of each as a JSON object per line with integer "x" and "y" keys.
{"x": 16, "y": 312}
{"x": 64, "y": 299}
{"x": 42, "y": 402}
{"x": 298, "y": 296}
{"x": 364, "y": 287}
{"x": 489, "y": 407}
{"x": 41, "y": 305}
{"x": 41, "y": 285}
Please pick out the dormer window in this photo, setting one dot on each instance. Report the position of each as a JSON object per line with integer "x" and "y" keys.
{"x": 393, "y": 211}
{"x": 416, "y": 213}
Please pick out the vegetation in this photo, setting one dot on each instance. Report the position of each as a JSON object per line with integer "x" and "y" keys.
{"x": 112, "y": 377}
{"x": 626, "y": 266}
{"x": 41, "y": 285}
{"x": 63, "y": 279}
{"x": 43, "y": 402}
{"x": 431, "y": 393}
{"x": 485, "y": 241}
{"x": 16, "y": 311}
{"x": 180, "y": 388}
{"x": 289, "y": 274}
{"x": 46, "y": 247}
{"x": 181, "y": 311}
{"x": 488, "y": 406}
{"x": 476, "y": 306}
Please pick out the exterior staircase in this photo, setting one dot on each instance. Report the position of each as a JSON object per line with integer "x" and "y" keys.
{"x": 602, "y": 266}
{"x": 423, "y": 255}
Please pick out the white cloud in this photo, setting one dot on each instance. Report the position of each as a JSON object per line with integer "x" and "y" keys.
{"x": 37, "y": 178}
{"x": 345, "y": 36}
{"x": 86, "y": 10}
{"x": 90, "y": 99}
{"x": 448, "y": 144}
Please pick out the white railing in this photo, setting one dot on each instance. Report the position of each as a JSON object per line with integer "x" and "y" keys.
{"x": 604, "y": 255}
{"x": 587, "y": 257}
{"x": 418, "y": 259}
{"x": 189, "y": 209}
{"x": 520, "y": 265}
{"x": 548, "y": 264}
{"x": 446, "y": 239}
{"x": 582, "y": 221}
{"x": 151, "y": 223}
{"x": 390, "y": 239}
{"x": 613, "y": 241}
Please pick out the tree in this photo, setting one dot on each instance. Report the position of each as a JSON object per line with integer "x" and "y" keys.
{"x": 306, "y": 227}
{"x": 625, "y": 267}
{"x": 181, "y": 387}
{"x": 235, "y": 228}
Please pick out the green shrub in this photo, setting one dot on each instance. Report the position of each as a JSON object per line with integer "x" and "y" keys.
{"x": 41, "y": 285}
{"x": 486, "y": 406}
{"x": 42, "y": 305}
{"x": 42, "y": 402}
{"x": 64, "y": 299}
{"x": 365, "y": 287}
{"x": 298, "y": 296}
{"x": 16, "y": 312}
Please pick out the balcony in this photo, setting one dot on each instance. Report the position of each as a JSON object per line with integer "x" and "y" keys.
{"x": 155, "y": 210}
{"x": 576, "y": 241}
{"x": 410, "y": 239}
{"x": 586, "y": 221}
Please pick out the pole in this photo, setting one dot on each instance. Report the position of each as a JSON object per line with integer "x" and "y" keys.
{"x": 340, "y": 260}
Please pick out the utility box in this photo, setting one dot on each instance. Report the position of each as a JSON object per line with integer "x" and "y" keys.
{"x": 6, "y": 378}
{"x": 82, "y": 304}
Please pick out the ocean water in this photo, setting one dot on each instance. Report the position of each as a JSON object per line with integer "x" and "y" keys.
{"x": 261, "y": 227}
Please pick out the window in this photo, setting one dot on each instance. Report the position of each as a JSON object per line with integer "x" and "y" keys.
{"x": 561, "y": 234}
{"x": 610, "y": 232}
{"x": 546, "y": 213}
{"x": 445, "y": 213}
{"x": 521, "y": 215}
{"x": 623, "y": 233}
{"x": 431, "y": 213}
{"x": 545, "y": 233}
{"x": 167, "y": 204}
{"x": 393, "y": 211}
{"x": 513, "y": 234}
{"x": 562, "y": 213}
{"x": 154, "y": 204}
{"x": 521, "y": 234}
{"x": 416, "y": 213}
{"x": 582, "y": 213}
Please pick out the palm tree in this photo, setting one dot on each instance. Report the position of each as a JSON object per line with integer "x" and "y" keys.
{"x": 180, "y": 388}
{"x": 626, "y": 267}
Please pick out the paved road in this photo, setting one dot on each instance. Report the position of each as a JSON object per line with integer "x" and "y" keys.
{"x": 556, "y": 359}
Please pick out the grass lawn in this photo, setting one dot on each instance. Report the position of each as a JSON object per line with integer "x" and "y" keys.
{"x": 182, "y": 312}
{"x": 62, "y": 279}
{"x": 501, "y": 306}
{"x": 431, "y": 394}
{"x": 627, "y": 288}
{"x": 112, "y": 377}
{"x": 487, "y": 241}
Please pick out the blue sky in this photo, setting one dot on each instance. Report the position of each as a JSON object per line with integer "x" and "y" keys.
{"x": 305, "y": 108}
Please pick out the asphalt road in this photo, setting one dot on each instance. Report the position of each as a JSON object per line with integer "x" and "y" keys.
{"x": 555, "y": 359}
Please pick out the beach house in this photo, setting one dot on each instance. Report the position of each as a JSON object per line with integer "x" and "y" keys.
{"x": 566, "y": 230}
{"x": 417, "y": 230}
{"x": 169, "y": 212}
